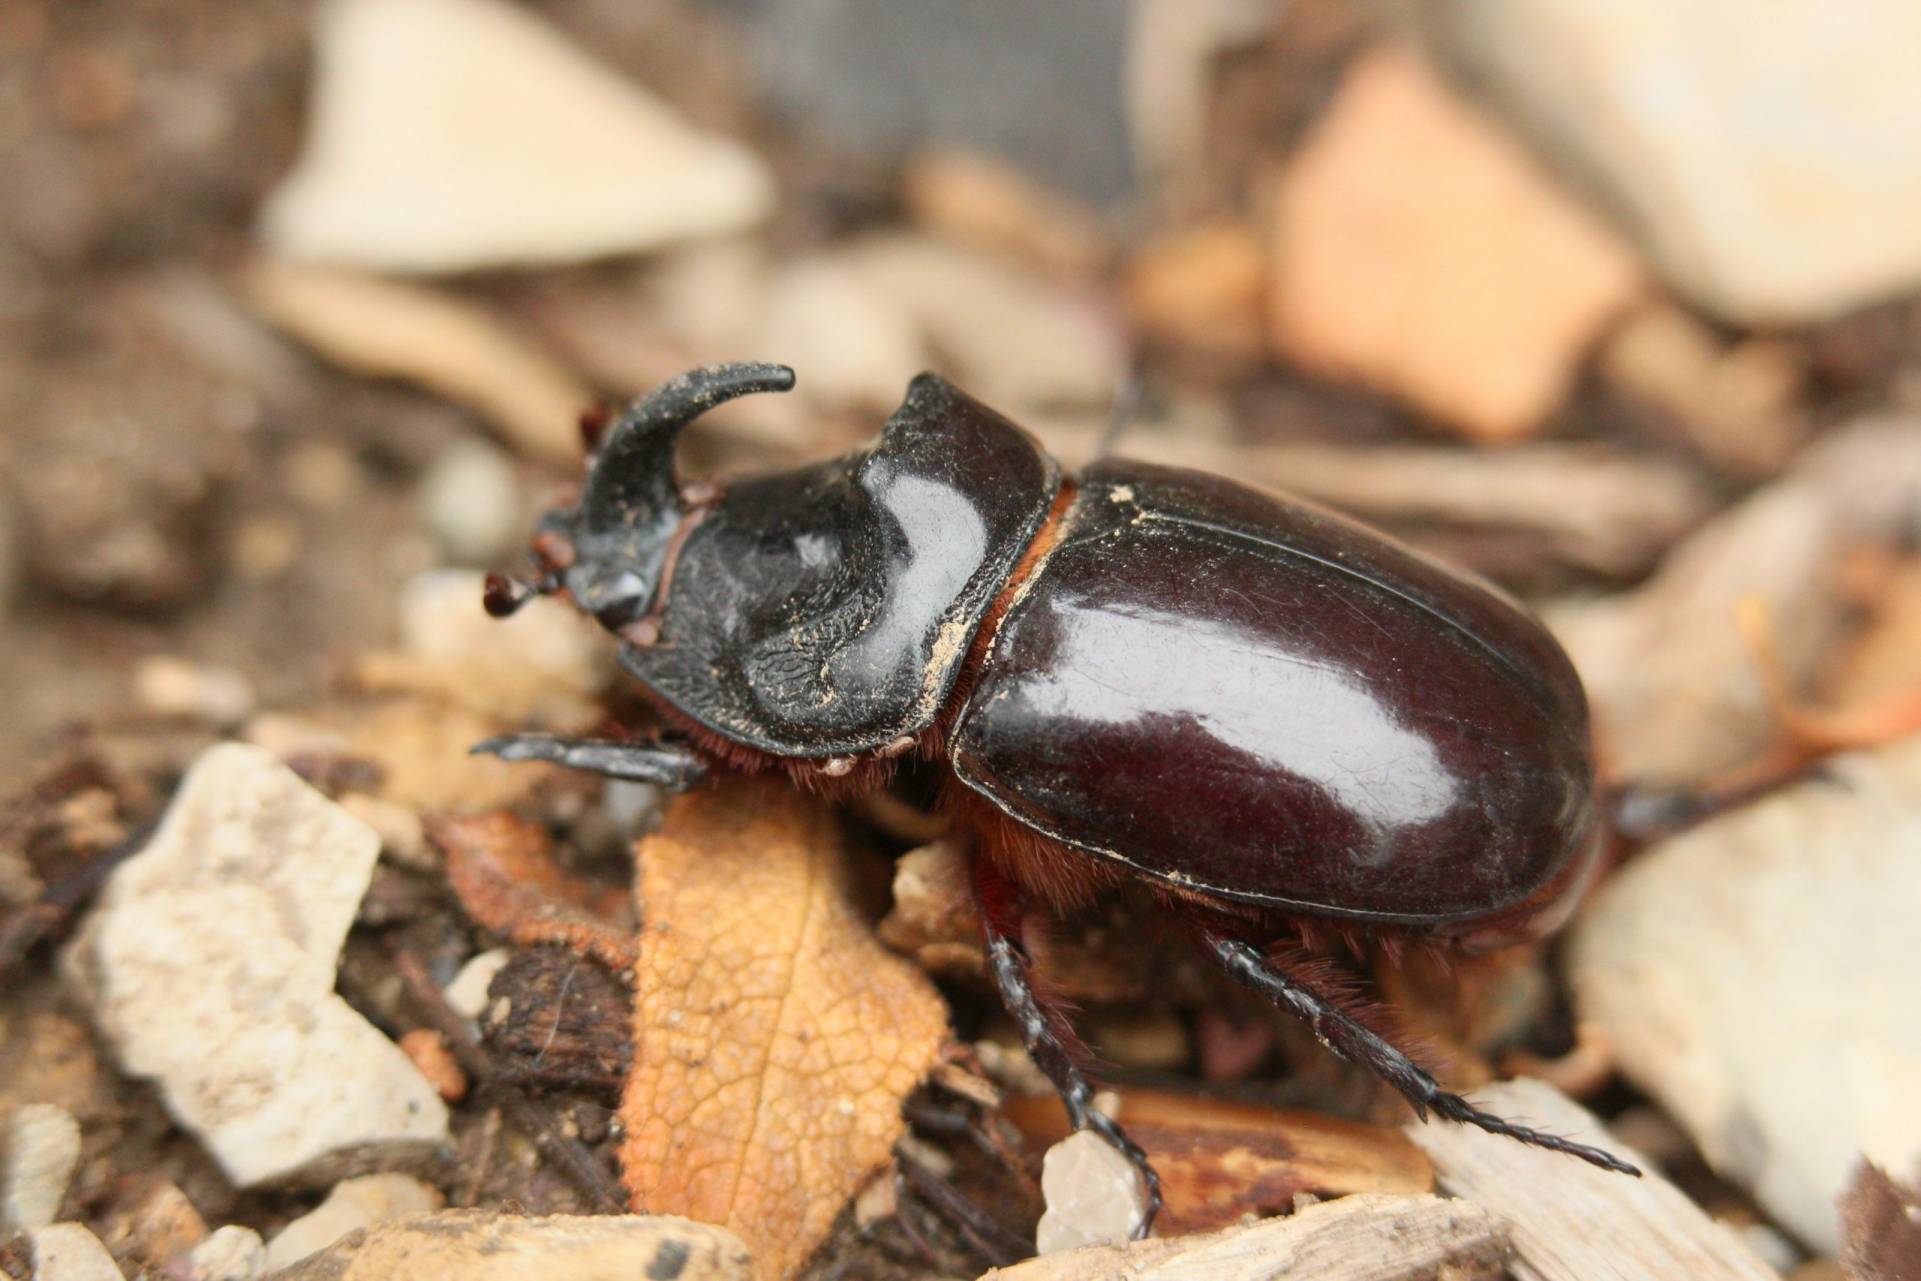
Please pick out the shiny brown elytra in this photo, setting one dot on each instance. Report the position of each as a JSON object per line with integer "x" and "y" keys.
{"x": 1271, "y": 716}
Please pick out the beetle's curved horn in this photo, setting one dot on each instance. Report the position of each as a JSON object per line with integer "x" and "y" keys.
{"x": 632, "y": 480}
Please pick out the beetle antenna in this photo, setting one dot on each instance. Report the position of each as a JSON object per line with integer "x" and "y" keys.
{"x": 632, "y": 479}
{"x": 502, "y": 596}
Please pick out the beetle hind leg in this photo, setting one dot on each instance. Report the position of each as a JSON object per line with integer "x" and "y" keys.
{"x": 671, "y": 765}
{"x": 1339, "y": 1030}
{"x": 1044, "y": 1030}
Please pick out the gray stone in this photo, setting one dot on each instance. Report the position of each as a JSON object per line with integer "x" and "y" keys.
{"x": 1756, "y": 975}
{"x": 209, "y": 967}
{"x": 1043, "y": 85}
{"x": 1765, "y": 150}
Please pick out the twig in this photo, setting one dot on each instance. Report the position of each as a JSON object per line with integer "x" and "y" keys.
{"x": 570, "y": 1155}
{"x": 59, "y": 902}
{"x": 484, "y": 1163}
{"x": 990, "y": 1240}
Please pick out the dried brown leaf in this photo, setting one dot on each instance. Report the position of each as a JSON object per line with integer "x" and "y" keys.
{"x": 502, "y": 869}
{"x": 775, "y": 1038}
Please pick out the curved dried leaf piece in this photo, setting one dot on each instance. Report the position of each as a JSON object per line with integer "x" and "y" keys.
{"x": 774, "y": 1037}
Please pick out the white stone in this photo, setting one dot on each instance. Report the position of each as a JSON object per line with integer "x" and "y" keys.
{"x": 353, "y": 1204}
{"x": 467, "y": 994}
{"x": 167, "y": 685}
{"x": 447, "y": 135}
{"x": 470, "y": 500}
{"x": 855, "y": 344}
{"x": 1014, "y": 339}
{"x": 209, "y": 967}
{"x": 43, "y": 1146}
{"x": 547, "y": 663}
{"x": 1094, "y": 1195}
{"x": 68, "y": 1252}
{"x": 232, "y": 1253}
{"x": 1757, "y": 976}
{"x": 1764, "y": 149}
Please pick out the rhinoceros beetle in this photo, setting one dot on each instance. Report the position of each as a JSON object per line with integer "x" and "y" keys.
{"x": 1275, "y": 718}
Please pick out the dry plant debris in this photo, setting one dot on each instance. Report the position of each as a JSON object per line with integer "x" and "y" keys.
{"x": 1572, "y": 1222}
{"x": 503, "y": 871}
{"x": 1754, "y": 975}
{"x": 1220, "y": 1161}
{"x": 474, "y": 1245}
{"x": 1420, "y": 250}
{"x": 1369, "y": 1237}
{"x": 391, "y": 330}
{"x": 774, "y": 1038}
{"x": 1688, "y": 714}
{"x": 1880, "y": 1227}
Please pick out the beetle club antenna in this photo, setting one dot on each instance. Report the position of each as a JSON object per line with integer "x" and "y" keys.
{"x": 502, "y": 596}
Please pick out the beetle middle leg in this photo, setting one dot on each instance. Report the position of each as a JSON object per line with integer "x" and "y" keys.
{"x": 671, "y": 765}
{"x": 1354, "y": 1041}
{"x": 1044, "y": 1029}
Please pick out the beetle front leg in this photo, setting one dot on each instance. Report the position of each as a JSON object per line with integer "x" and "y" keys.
{"x": 674, "y": 766}
{"x": 1044, "y": 1029}
{"x": 1354, "y": 1041}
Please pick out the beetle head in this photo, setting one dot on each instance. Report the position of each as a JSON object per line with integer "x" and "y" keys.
{"x": 606, "y": 550}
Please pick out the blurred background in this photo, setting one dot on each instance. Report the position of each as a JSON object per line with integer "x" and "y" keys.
{"x": 1615, "y": 301}
{"x": 300, "y": 300}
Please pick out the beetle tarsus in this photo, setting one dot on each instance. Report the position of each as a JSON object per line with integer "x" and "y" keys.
{"x": 1456, "y": 1108}
{"x": 670, "y": 765}
{"x": 1354, "y": 1041}
{"x": 1046, "y": 1033}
